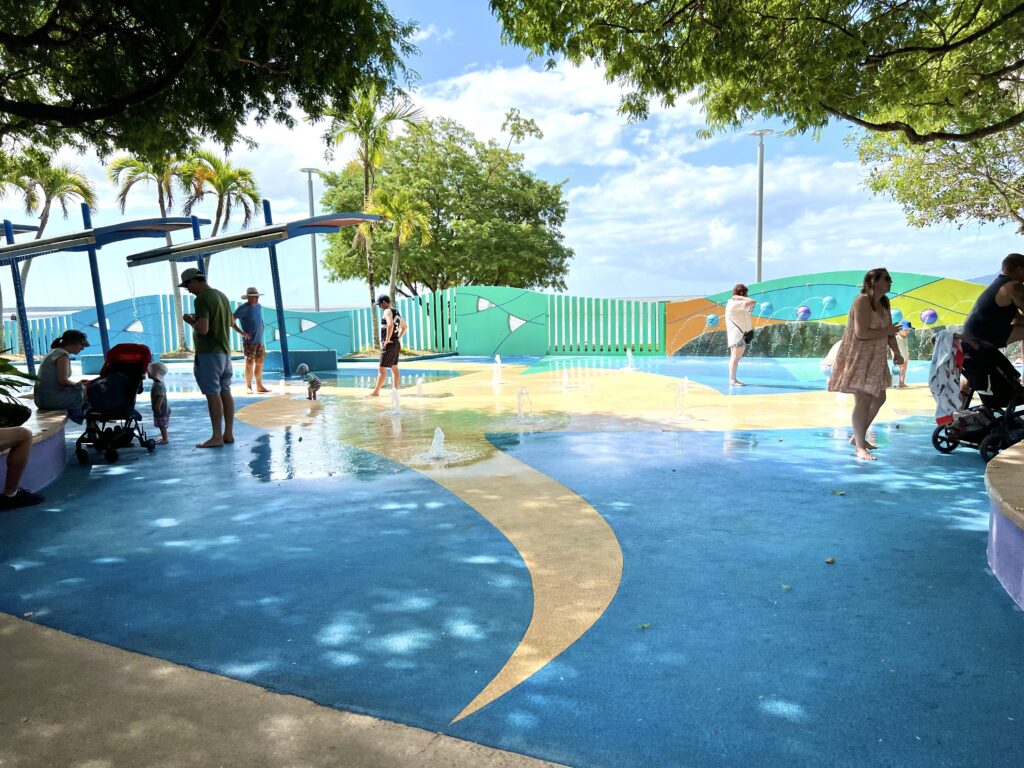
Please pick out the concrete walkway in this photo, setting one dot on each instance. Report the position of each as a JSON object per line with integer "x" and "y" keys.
{"x": 66, "y": 701}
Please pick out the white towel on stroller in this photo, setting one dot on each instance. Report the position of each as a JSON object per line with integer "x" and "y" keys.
{"x": 944, "y": 376}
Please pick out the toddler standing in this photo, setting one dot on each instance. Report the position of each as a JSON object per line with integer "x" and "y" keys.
{"x": 312, "y": 381}
{"x": 158, "y": 399}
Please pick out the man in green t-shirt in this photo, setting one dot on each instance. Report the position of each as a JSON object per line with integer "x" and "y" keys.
{"x": 211, "y": 323}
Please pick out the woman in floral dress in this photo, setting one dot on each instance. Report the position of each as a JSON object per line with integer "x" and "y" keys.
{"x": 862, "y": 365}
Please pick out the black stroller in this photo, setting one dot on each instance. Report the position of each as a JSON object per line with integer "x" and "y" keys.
{"x": 995, "y": 423}
{"x": 111, "y": 421}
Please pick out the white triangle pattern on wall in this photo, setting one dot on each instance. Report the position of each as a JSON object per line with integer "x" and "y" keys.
{"x": 482, "y": 304}
{"x": 305, "y": 325}
{"x": 135, "y": 327}
{"x": 515, "y": 323}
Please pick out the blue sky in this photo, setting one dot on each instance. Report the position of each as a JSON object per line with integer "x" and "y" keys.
{"x": 653, "y": 210}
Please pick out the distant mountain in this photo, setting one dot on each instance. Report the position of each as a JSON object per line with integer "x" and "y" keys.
{"x": 982, "y": 280}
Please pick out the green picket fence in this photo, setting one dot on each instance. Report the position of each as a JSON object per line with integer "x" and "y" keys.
{"x": 581, "y": 325}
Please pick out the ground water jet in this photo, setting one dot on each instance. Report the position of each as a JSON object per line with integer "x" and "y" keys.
{"x": 436, "y": 451}
{"x": 419, "y": 386}
{"x": 524, "y": 406}
{"x": 396, "y": 405}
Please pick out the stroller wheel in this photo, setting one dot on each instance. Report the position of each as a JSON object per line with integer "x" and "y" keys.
{"x": 150, "y": 445}
{"x": 110, "y": 455}
{"x": 944, "y": 441}
{"x": 990, "y": 446}
{"x": 82, "y": 455}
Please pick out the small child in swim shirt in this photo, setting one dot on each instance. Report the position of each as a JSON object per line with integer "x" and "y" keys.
{"x": 158, "y": 399}
{"x": 312, "y": 381}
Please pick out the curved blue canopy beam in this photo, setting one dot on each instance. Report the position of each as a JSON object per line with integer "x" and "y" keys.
{"x": 264, "y": 237}
{"x": 89, "y": 240}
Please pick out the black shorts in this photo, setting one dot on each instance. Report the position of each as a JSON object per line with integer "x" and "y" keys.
{"x": 389, "y": 355}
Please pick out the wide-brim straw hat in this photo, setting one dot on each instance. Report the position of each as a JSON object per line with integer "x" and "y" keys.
{"x": 251, "y": 291}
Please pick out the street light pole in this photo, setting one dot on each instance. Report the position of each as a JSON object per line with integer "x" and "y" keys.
{"x": 760, "y": 191}
{"x": 312, "y": 238}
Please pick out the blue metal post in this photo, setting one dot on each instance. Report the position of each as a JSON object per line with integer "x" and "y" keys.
{"x": 197, "y": 235}
{"x": 275, "y": 276}
{"x": 97, "y": 291}
{"x": 19, "y": 297}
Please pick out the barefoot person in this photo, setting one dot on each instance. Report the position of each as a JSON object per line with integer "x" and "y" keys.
{"x": 862, "y": 364}
{"x": 211, "y": 324}
{"x": 392, "y": 328}
{"x": 248, "y": 322}
{"x": 738, "y": 322}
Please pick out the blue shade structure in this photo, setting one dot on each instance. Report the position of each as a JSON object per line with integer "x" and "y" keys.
{"x": 89, "y": 240}
{"x": 262, "y": 237}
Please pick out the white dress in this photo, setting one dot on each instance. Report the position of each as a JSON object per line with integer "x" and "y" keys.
{"x": 737, "y": 320}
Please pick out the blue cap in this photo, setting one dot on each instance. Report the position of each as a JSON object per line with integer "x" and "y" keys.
{"x": 905, "y": 325}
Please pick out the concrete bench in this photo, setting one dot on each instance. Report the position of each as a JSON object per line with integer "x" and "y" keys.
{"x": 49, "y": 452}
{"x": 316, "y": 359}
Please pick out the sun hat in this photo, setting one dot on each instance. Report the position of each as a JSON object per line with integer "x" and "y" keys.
{"x": 382, "y": 298}
{"x": 190, "y": 274}
{"x": 251, "y": 291}
{"x": 906, "y": 325}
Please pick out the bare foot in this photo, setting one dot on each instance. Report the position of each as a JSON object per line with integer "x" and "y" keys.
{"x": 163, "y": 441}
{"x": 374, "y": 394}
{"x": 263, "y": 390}
{"x": 229, "y": 439}
{"x": 248, "y": 390}
{"x": 211, "y": 443}
{"x": 867, "y": 444}
{"x": 737, "y": 384}
{"x": 865, "y": 454}
{"x": 902, "y": 385}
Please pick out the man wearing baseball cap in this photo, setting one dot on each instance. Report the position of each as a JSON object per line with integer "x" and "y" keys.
{"x": 248, "y": 322}
{"x": 211, "y": 325}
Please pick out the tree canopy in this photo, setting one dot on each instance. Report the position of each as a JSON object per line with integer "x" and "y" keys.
{"x": 491, "y": 222}
{"x": 929, "y": 69}
{"x": 145, "y": 75}
{"x": 950, "y": 182}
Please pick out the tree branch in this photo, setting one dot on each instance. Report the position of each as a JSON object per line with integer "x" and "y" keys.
{"x": 914, "y": 137}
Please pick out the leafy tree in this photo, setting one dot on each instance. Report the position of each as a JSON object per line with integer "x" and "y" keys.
{"x": 209, "y": 173}
{"x": 144, "y": 75}
{"x": 403, "y": 217}
{"x": 126, "y": 172}
{"x": 370, "y": 118}
{"x": 929, "y": 69}
{"x": 491, "y": 222}
{"x": 950, "y": 182}
{"x": 47, "y": 183}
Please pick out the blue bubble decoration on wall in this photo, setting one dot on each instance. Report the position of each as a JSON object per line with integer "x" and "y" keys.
{"x": 897, "y": 316}
{"x": 828, "y": 302}
{"x": 929, "y": 316}
{"x": 766, "y": 309}
{"x": 711, "y": 320}
{"x": 803, "y": 312}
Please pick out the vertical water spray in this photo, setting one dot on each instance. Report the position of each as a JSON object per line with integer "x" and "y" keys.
{"x": 436, "y": 445}
{"x": 396, "y": 405}
{"x": 524, "y": 406}
{"x": 629, "y": 360}
{"x": 496, "y": 370}
{"x": 419, "y": 386}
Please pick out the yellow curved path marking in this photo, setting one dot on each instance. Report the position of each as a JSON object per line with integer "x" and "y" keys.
{"x": 572, "y": 554}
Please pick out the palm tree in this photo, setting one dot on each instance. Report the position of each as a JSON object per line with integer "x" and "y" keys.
{"x": 404, "y": 215}
{"x": 48, "y": 183}
{"x": 127, "y": 171}
{"x": 209, "y": 173}
{"x": 369, "y": 119}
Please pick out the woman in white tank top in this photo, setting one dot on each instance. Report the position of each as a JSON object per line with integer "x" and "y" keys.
{"x": 738, "y": 321}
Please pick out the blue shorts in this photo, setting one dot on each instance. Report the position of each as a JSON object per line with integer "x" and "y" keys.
{"x": 213, "y": 373}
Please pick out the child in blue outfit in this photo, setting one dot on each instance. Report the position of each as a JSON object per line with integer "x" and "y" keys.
{"x": 312, "y": 381}
{"x": 158, "y": 399}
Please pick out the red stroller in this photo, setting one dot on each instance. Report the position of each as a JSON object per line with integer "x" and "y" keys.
{"x": 111, "y": 421}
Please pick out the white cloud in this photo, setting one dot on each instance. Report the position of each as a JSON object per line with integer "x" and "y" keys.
{"x": 431, "y": 32}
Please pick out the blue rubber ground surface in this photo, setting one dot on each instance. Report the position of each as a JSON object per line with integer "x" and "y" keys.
{"x": 730, "y": 641}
